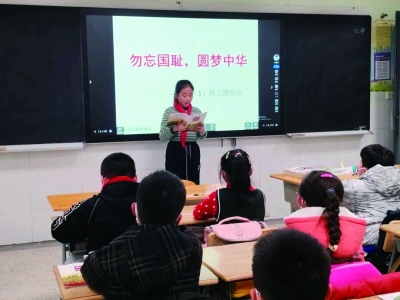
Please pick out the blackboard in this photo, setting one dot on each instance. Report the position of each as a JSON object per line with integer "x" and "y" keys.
{"x": 41, "y": 93}
{"x": 327, "y": 73}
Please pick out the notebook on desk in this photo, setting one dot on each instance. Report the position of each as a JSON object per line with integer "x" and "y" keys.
{"x": 71, "y": 275}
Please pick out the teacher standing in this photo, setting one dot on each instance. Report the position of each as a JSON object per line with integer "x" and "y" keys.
{"x": 182, "y": 156}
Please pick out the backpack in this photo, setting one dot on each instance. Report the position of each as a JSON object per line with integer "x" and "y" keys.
{"x": 236, "y": 232}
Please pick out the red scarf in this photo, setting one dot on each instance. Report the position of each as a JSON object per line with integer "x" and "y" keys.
{"x": 180, "y": 109}
{"x": 117, "y": 179}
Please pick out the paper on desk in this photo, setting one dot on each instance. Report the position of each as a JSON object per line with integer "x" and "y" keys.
{"x": 391, "y": 296}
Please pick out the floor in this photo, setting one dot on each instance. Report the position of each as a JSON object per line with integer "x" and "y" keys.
{"x": 27, "y": 270}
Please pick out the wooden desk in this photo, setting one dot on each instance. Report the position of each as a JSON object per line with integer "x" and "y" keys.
{"x": 85, "y": 293}
{"x": 195, "y": 194}
{"x": 296, "y": 180}
{"x": 230, "y": 262}
{"x": 187, "y": 217}
{"x": 392, "y": 228}
{"x": 290, "y": 185}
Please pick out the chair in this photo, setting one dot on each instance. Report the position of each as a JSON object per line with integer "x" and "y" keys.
{"x": 187, "y": 182}
{"x": 389, "y": 246}
{"x": 380, "y": 259}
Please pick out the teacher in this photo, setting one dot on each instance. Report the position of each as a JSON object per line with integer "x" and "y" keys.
{"x": 183, "y": 153}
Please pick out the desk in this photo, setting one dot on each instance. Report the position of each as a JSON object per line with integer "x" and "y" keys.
{"x": 85, "y": 293}
{"x": 195, "y": 194}
{"x": 291, "y": 183}
{"x": 230, "y": 262}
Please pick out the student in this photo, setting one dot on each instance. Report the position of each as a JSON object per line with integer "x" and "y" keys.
{"x": 154, "y": 260}
{"x": 183, "y": 153}
{"x": 376, "y": 191}
{"x": 239, "y": 198}
{"x": 100, "y": 219}
{"x": 290, "y": 265}
{"x": 338, "y": 230}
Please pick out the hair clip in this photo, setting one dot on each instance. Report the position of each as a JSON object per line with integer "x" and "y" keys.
{"x": 331, "y": 190}
{"x": 238, "y": 154}
{"x": 333, "y": 248}
{"x": 227, "y": 154}
{"x": 326, "y": 175}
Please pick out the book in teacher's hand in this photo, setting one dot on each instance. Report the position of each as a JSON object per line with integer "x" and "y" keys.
{"x": 191, "y": 121}
{"x": 71, "y": 275}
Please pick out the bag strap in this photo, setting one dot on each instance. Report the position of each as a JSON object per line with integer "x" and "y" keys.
{"x": 233, "y": 219}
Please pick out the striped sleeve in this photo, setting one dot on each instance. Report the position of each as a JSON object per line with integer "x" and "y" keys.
{"x": 165, "y": 131}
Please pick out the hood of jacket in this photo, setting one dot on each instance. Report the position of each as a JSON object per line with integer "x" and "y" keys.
{"x": 309, "y": 220}
{"x": 382, "y": 180}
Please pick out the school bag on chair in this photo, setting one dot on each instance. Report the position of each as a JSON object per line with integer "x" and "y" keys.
{"x": 235, "y": 230}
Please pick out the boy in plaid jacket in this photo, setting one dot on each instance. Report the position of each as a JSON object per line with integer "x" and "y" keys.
{"x": 155, "y": 259}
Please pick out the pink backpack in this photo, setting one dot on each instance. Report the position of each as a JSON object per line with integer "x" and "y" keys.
{"x": 244, "y": 231}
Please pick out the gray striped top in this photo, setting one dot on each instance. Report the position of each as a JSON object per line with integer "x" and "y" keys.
{"x": 166, "y": 132}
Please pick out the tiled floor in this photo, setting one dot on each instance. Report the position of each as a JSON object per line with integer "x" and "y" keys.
{"x": 26, "y": 271}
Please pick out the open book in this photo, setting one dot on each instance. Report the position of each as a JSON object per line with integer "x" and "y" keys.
{"x": 71, "y": 275}
{"x": 191, "y": 121}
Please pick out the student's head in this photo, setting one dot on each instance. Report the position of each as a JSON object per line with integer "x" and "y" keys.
{"x": 236, "y": 171}
{"x": 291, "y": 265}
{"x": 184, "y": 93}
{"x": 323, "y": 189}
{"x": 118, "y": 164}
{"x": 376, "y": 154}
{"x": 160, "y": 199}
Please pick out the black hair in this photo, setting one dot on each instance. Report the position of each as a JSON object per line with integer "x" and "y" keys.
{"x": 118, "y": 164}
{"x": 323, "y": 189}
{"x": 376, "y": 154}
{"x": 291, "y": 265}
{"x": 236, "y": 165}
{"x": 180, "y": 85}
{"x": 160, "y": 198}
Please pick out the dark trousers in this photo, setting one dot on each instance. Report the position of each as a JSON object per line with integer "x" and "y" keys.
{"x": 185, "y": 163}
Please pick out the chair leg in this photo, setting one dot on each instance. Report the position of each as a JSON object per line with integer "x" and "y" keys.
{"x": 395, "y": 265}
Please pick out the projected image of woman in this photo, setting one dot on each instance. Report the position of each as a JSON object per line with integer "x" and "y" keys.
{"x": 183, "y": 153}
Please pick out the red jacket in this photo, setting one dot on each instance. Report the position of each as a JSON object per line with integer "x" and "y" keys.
{"x": 309, "y": 220}
{"x": 379, "y": 285}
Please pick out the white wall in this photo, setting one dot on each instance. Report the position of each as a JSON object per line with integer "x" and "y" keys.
{"x": 26, "y": 178}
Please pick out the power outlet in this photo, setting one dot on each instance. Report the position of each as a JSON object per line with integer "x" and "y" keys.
{"x": 389, "y": 95}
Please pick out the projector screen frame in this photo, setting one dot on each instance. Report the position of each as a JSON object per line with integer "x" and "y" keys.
{"x": 105, "y": 138}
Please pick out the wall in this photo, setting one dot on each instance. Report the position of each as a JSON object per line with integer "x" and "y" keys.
{"x": 26, "y": 178}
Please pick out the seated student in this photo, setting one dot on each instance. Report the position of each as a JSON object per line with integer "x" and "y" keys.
{"x": 338, "y": 230}
{"x": 239, "y": 198}
{"x": 376, "y": 191}
{"x": 102, "y": 218}
{"x": 290, "y": 265}
{"x": 154, "y": 260}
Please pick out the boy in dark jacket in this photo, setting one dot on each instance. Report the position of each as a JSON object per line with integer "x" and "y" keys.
{"x": 154, "y": 260}
{"x": 105, "y": 216}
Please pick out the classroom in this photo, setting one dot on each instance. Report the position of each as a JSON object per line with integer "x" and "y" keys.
{"x": 302, "y": 95}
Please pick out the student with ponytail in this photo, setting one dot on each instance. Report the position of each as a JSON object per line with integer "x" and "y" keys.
{"x": 182, "y": 156}
{"x": 319, "y": 196}
{"x": 239, "y": 198}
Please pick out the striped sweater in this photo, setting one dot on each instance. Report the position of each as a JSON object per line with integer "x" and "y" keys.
{"x": 166, "y": 133}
